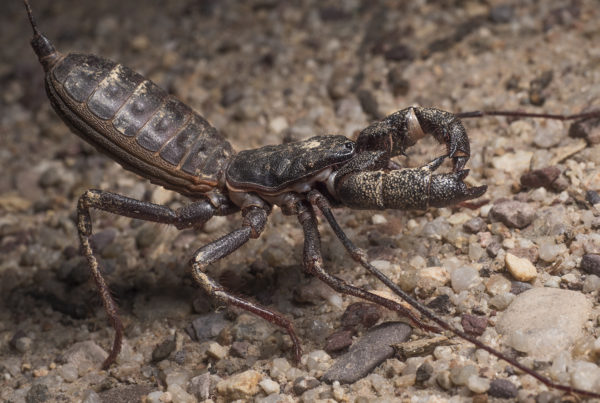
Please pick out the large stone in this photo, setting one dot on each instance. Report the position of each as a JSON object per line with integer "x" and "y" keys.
{"x": 368, "y": 352}
{"x": 544, "y": 321}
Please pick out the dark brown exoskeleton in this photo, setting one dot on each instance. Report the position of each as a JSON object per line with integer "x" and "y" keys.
{"x": 153, "y": 134}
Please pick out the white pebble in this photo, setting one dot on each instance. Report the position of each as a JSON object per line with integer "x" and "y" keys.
{"x": 460, "y": 375}
{"x": 552, "y": 282}
{"x": 549, "y": 251}
{"x": 464, "y": 277}
{"x": 379, "y": 219}
{"x": 335, "y": 300}
{"x": 278, "y": 368}
{"x": 269, "y": 386}
{"x": 585, "y": 375}
{"x": 154, "y": 397}
{"x": 180, "y": 378}
{"x": 591, "y": 283}
{"x": 418, "y": 262}
{"x": 484, "y": 211}
{"x": 498, "y": 284}
{"x": 477, "y": 384}
{"x": 179, "y": 395}
{"x": 435, "y": 274}
{"x": 278, "y": 124}
{"x": 68, "y": 372}
{"x": 91, "y": 397}
{"x": 508, "y": 243}
{"x": 315, "y": 359}
{"x": 442, "y": 353}
{"x": 558, "y": 369}
{"x": 338, "y": 392}
{"x": 501, "y": 301}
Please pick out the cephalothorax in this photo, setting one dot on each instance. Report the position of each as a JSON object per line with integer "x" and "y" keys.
{"x": 153, "y": 134}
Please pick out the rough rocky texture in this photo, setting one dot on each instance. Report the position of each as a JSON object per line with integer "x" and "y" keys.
{"x": 264, "y": 72}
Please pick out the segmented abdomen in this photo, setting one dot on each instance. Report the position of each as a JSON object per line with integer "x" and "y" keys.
{"x": 137, "y": 123}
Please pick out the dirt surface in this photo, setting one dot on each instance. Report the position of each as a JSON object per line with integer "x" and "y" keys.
{"x": 264, "y": 72}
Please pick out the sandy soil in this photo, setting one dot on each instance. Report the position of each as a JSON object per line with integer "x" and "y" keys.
{"x": 263, "y": 72}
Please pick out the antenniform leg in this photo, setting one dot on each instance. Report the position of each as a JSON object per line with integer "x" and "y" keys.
{"x": 194, "y": 214}
{"x": 254, "y": 222}
{"x": 404, "y": 189}
{"x": 313, "y": 264}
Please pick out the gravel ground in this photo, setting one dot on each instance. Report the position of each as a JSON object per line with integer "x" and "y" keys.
{"x": 264, "y": 72}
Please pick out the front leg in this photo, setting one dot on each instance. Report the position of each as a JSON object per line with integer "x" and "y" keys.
{"x": 193, "y": 214}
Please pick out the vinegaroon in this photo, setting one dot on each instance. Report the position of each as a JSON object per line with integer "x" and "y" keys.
{"x": 151, "y": 133}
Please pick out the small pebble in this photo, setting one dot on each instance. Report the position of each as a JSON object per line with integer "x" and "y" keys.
{"x": 443, "y": 380}
{"x": 474, "y": 324}
{"x": 517, "y": 287}
{"x": 502, "y": 389}
{"x": 475, "y": 225}
{"x": 303, "y": 384}
{"x": 590, "y": 263}
{"x": 497, "y": 284}
{"x": 240, "y": 386}
{"x": 279, "y": 367}
{"x": 199, "y": 386}
{"x": 37, "y": 393}
{"x": 163, "y": 350}
{"x": 591, "y": 283}
{"x": 379, "y": 219}
{"x": 361, "y": 313}
{"x": 316, "y": 360}
{"x": 540, "y": 177}
{"x": 464, "y": 278}
{"x": 520, "y": 268}
{"x": 269, "y": 386}
{"x": 39, "y": 372}
{"x": 592, "y": 197}
{"x": 22, "y": 344}
{"x": 399, "y": 52}
{"x": 91, "y": 397}
{"x": 585, "y": 375}
{"x": 209, "y": 326}
{"x": 338, "y": 341}
{"x": 460, "y": 375}
{"x": 513, "y": 214}
{"x": 423, "y": 373}
{"x": 216, "y": 351}
{"x": 68, "y": 372}
{"x": 493, "y": 248}
{"x": 502, "y": 13}
{"x": 397, "y": 82}
{"x": 549, "y": 251}
{"x": 278, "y": 124}
{"x": 179, "y": 395}
{"x": 588, "y": 129}
{"x": 177, "y": 377}
{"x": 477, "y": 384}
{"x": 501, "y": 301}
{"x": 154, "y": 397}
